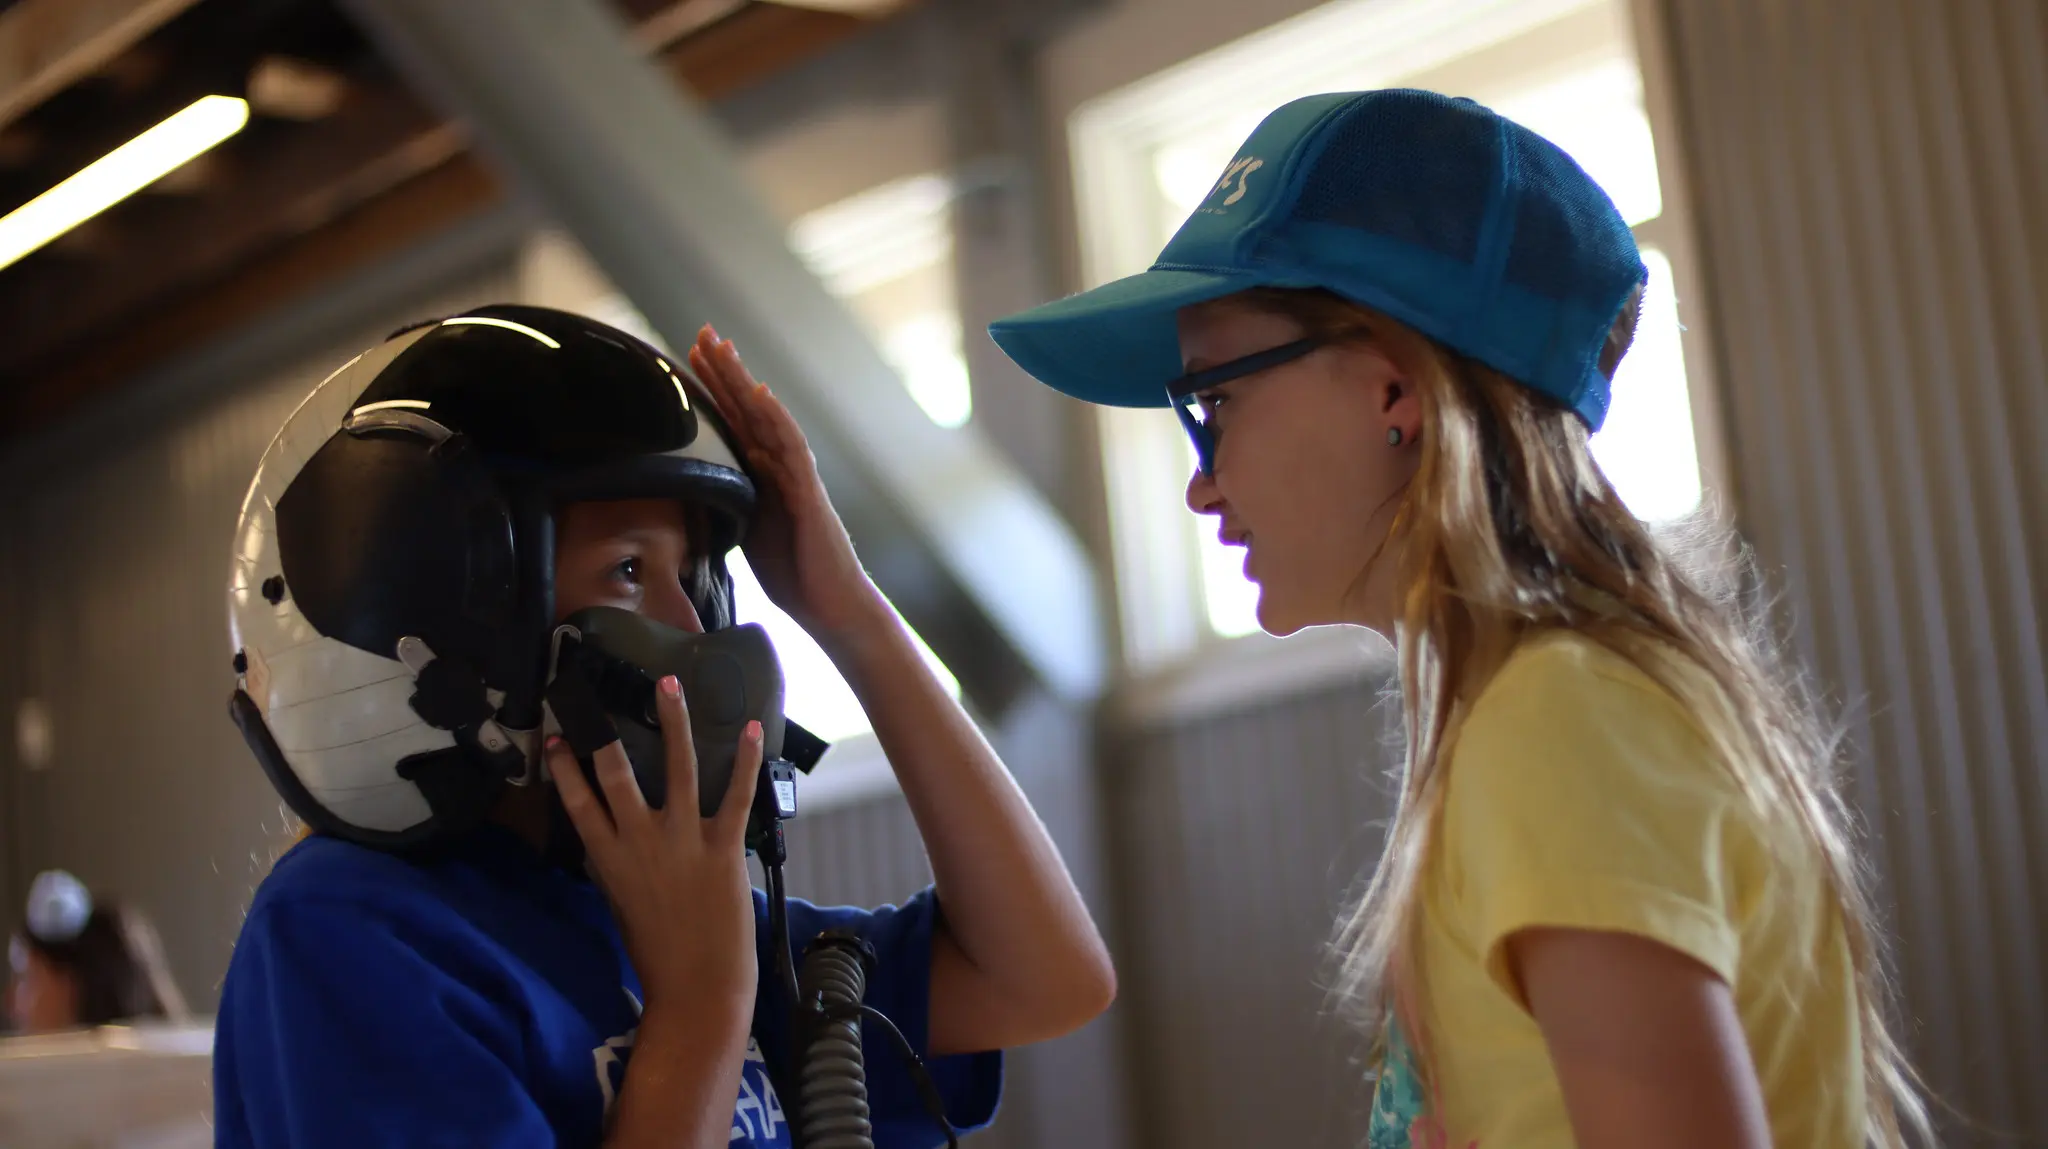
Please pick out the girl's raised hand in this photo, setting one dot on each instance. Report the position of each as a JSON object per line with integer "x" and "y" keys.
{"x": 797, "y": 547}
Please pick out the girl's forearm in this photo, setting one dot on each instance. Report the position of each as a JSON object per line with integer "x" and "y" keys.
{"x": 1010, "y": 905}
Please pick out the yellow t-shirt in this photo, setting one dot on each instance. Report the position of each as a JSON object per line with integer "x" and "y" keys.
{"x": 1582, "y": 795}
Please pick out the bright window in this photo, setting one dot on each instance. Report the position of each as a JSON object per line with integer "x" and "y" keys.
{"x": 1646, "y": 446}
{"x": 1594, "y": 111}
{"x": 818, "y": 697}
{"x": 888, "y": 252}
{"x": 1146, "y": 156}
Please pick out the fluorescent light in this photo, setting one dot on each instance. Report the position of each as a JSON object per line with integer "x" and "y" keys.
{"x": 120, "y": 173}
{"x": 488, "y": 321}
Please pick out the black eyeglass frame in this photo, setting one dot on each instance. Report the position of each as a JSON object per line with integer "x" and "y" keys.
{"x": 1181, "y": 392}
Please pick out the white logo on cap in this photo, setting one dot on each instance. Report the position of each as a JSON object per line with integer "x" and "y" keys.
{"x": 1239, "y": 170}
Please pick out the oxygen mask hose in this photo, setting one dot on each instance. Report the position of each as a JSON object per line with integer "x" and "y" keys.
{"x": 834, "y": 1113}
{"x": 832, "y": 1085}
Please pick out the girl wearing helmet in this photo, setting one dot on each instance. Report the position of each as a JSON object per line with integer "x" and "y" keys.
{"x": 434, "y": 965}
{"x": 1619, "y": 905}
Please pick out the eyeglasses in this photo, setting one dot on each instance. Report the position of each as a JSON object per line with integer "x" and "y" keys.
{"x": 1182, "y": 392}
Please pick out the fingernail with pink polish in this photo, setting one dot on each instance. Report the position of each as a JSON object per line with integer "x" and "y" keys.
{"x": 670, "y": 686}
{"x": 753, "y": 732}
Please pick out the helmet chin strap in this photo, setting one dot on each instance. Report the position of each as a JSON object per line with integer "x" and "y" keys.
{"x": 528, "y": 743}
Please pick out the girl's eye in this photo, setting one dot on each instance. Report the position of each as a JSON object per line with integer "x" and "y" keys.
{"x": 1210, "y": 403}
{"x": 628, "y": 569}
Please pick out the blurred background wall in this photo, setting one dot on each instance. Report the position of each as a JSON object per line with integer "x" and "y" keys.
{"x": 1847, "y": 356}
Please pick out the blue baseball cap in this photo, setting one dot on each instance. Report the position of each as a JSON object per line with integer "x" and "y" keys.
{"x": 1455, "y": 220}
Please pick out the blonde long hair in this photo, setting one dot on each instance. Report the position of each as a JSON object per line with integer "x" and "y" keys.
{"x": 1508, "y": 528}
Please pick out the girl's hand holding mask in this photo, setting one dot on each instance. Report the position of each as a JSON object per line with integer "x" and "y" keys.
{"x": 677, "y": 881}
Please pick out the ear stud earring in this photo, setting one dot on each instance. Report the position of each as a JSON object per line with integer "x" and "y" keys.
{"x": 1393, "y": 436}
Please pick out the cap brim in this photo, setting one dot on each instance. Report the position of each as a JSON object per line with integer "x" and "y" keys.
{"x": 1116, "y": 344}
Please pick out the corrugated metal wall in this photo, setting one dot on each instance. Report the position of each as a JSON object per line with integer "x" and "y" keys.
{"x": 1238, "y": 839}
{"x": 13, "y": 884}
{"x": 116, "y": 550}
{"x": 1869, "y": 178}
{"x": 865, "y": 854}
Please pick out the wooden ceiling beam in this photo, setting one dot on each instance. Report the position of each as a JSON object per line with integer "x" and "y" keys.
{"x": 371, "y": 212}
{"x": 48, "y": 45}
{"x": 865, "y": 9}
{"x": 659, "y": 24}
{"x": 758, "y": 40}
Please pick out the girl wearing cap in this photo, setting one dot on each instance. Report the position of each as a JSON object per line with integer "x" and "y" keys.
{"x": 78, "y": 963}
{"x": 435, "y": 965}
{"x": 1619, "y": 905}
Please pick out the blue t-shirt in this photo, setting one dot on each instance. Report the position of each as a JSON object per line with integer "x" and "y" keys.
{"x": 485, "y": 999}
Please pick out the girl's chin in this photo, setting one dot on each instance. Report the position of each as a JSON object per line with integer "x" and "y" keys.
{"x": 1274, "y": 617}
{"x": 1281, "y": 614}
